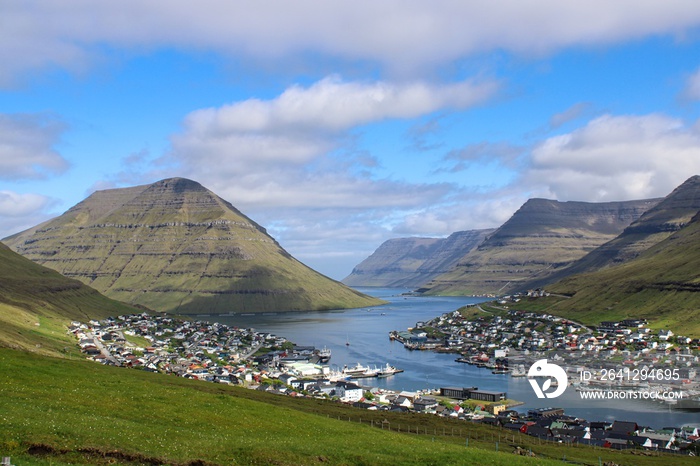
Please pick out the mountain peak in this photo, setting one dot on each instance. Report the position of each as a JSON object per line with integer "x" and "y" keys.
{"x": 176, "y": 246}
{"x": 177, "y": 185}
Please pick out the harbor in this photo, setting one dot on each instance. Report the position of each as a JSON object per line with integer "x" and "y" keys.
{"x": 366, "y": 331}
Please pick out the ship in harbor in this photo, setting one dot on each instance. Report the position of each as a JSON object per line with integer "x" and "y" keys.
{"x": 324, "y": 355}
{"x": 388, "y": 371}
{"x": 358, "y": 369}
{"x": 364, "y": 372}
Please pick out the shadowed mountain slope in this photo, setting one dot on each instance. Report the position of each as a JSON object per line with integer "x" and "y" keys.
{"x": 411, "y": 262}
{"x": 656, "y": 224}
{"x": 541, "y": 238}
{"x": 36, "y": 302}
{"x": 175, "y": 246}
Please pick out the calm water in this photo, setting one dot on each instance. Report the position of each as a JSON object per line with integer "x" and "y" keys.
{"x": 367, "y": 332}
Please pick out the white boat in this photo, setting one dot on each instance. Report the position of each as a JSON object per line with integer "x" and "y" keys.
{"x": 388, "y": 370}
{"x": 369, "y": 373}
{"x": 324, "y": 355}
{"x": 356, "y": 370}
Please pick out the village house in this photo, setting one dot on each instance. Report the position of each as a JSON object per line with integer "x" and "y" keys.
{"x": 425, "y": 405}
{"x": 349, "y": 392}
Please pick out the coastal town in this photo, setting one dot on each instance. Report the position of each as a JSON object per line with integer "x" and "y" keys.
{"x": 217, "y": 353}
{"x": 509, "y": 341}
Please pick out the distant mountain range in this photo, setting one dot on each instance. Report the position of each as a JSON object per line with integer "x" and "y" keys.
{"x": 175, "y": 246}
{"x": 611, "y": 260}
{"x": 541, "y": 238}
{"x": 670, "y": 215}
{"x": 411, "y": 262}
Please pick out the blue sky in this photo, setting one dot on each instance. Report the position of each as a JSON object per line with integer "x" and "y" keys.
{"x": 338, "y": 125}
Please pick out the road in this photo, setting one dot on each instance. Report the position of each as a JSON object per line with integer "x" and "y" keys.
{"x": 104, "y": 351}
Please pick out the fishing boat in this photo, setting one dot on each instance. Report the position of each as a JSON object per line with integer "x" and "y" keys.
{"x": 324, "y": 355}
{"x": 369, "y": 373}
{"x": 388, "y": 370}
{"x": 356, "y": 370}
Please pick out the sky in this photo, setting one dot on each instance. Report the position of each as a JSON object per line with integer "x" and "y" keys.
{"x": 338, "y": 125}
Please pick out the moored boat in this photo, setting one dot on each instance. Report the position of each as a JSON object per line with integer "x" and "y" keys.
{"x": 388, "y": 370}
{"x": 369, "y": 373}
{"x": 356, "y": 370}
{"x": 324, "y": 355}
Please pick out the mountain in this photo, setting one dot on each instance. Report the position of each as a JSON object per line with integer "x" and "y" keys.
{"x": 540, "y": 239}
{"x": 655, "y": 225}
{"x": 34, "y": 299}
{"x": 175, "y": 246}
{"x": 661, "y": 284}
{"x": 411, "y": 262}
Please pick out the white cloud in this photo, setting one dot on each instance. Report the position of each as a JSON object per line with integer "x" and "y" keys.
{"x": 21, "y": 211}
{"x": 401, "y": 35}
{"x": 27, "y": 146}
{"x": 616, "y": 158}
{"x": 13, "y": 204}
{"x": 692, "y": 86}
{"x": 334, "y": 105}
{"x": 297, "y": 149}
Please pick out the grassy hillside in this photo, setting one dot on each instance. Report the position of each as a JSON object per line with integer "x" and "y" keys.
{"x": 76, "y": 412}
{"x": 36, "y": 302}
{"x": 177, "y": 247}
{"x": 662, "y": 284}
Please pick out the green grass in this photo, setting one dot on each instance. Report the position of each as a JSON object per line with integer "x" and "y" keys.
{"x": 72, "y": 407}
{"x": 138, "y": 341}
{"x": 78, "y": 412}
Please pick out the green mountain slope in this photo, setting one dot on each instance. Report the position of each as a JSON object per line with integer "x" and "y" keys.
{"x": 661, "y": 284}
{"x": 175, "y": 246}
{"x": 36, "y": 302}
{"x": 541, "y": 238}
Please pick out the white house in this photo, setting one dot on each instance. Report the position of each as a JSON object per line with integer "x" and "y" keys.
{"x": 348, "y": 391}
{"x": 659, "y": 440}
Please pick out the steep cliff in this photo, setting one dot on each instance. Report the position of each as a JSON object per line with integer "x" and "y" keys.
{"x": 656, "y": 224}
{"x": 540, "y": 239}
{"x": 411, "y": 262}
